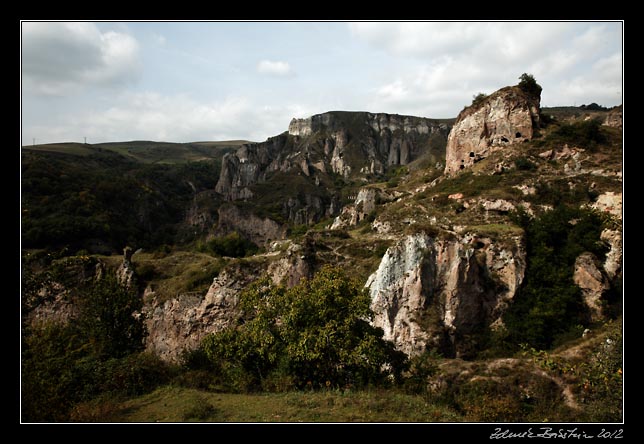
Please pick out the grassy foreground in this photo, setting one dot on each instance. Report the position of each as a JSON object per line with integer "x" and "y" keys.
{"x": 176, "y": 404}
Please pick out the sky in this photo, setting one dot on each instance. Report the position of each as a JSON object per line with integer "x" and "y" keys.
{"x": 204, "y": 81}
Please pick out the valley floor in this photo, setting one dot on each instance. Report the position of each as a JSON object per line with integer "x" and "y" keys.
{"x": 177, "y": 404}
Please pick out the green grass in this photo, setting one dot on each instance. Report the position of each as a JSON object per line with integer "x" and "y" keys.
{"x": 77, "y": 149}
{"x": 146, "y": 151}
{"x": 496, "y": 231}
{"x": 178, "y": 272}
{"x": 175, "y": 404}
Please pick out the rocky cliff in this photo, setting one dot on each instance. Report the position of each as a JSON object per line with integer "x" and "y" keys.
{"x": 298, "y": 165}
{"x": 430, "y": 293}
{"x": 506, "y": 117}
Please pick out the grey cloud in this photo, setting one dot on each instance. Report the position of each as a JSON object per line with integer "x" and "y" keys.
{"x": 60, "y": 57}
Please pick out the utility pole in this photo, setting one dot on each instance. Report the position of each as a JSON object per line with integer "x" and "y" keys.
{"x": 85, "y": 140}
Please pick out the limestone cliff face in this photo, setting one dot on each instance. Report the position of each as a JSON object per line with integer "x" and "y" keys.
{"x": 431, "y": 293}
{"x": 259, "y": 230}
{"x": 181, "y": 323}
{"x": 250, "y": 164}
{"x": 506, "y": 117}
{"x": 299, "y": 162}
{"x": 363, "y": 206}
{"x": 593, "y": 282}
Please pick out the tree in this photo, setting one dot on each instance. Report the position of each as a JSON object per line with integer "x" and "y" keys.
{"x": 478, "y": 98}
{"x": 111, "y": 318}
{"x": 316, "y": 333}
{"x": 528, "y": 84}
{"x": 549, "y": 303}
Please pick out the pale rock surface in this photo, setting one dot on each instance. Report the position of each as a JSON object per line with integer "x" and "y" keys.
{"x": 506, "y": 117}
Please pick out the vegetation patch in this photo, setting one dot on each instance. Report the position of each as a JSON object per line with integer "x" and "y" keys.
{"x": 549, "y": 303}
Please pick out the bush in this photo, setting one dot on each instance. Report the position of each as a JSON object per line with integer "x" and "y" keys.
{"x": 323, "y": 338}
{"x": 201, "y": 410}
{"x": 232, "y": 245}
{"x": 528, "y": 84}
{"x": 99, "y": 353}
{"x": 549, "y": 303}
{"x": 478, "y": 98}
{"x": 524, "y": 164}
{"x": 586, "y": 134}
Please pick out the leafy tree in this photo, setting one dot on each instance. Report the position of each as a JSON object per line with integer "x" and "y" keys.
{"x": 478, "y": 98}
{"x": 111, "y": 318}
{"x": 316, "y": 333}
{"x": 528, "y": 84}
{"x": 549, "y": 303}
{"x": 100, "y": 351}
{"x": 232, "y": 245}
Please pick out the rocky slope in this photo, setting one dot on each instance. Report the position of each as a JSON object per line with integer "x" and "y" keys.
{"x": 300, "y": 167}
{"x": 506, "y": 117}
{"x": 437, "y": 250}
{"x": 430, "y": 293}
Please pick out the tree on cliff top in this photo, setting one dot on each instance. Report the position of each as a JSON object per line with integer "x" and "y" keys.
{"x": 528, "y": 84}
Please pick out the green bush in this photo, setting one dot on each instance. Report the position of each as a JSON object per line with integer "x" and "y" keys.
{"x": 524, "y": 164}
{"x": 528, "y": 84}
{"x": 478, "y": 98}
{"x": 586, "y": 134}
{"x": 98, "y": 353}
{"x": 315, "y": 334}
{"x": 232, "y": 245}
{"x": 548, "y": 303}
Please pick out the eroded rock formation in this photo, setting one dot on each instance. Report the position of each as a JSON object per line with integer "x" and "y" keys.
{"x": 431, "y": 293}
{"x": 506, "y": 117}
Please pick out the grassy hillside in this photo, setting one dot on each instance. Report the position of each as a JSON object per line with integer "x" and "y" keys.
{"x": 146, "y": 151}
{"x": 99, "y": 200}
{"x": 577, "y": 382}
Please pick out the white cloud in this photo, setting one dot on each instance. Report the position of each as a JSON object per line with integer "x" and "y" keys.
{"x": 174, "y": 118}
{"x": 59, "y": 58}
{"x": 276, "y": 68}
{"x": 436, "y": 67}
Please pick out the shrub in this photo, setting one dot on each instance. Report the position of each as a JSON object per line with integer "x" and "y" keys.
{"x": 201, "y": 410}
{"x": 528, "y": 84}
{"x": 587, "y": 134}
{"x": 316, "y": 333}
{"x": 478, "y": 98}
{"x": 524, "y": 164}
{"x": 549, "y": 303}
{"x": 232, "y": 245}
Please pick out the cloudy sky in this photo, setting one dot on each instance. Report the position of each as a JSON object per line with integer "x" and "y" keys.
{"x": 196, "y": 81}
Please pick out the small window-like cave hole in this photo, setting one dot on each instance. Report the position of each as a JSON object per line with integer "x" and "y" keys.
{"x": 471, "y": 153}
{"x": 517, "y": 135}
{"x": 503, "y": 139}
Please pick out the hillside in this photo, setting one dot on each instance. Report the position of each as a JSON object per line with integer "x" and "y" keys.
{"x": 146, "y": 151}
{"x": 70, "y": 197}
{"x": 489, "y": 265}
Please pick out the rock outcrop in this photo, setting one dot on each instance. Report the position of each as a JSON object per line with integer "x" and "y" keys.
{"x": 363, "y": 207}
{"x": 181, "y": 323}
{"x": 609, "y": 202}
{"x": 614, "y": 117}
{"x": 506, "y": 117}
{"x": 300, "y": 162}
{"x": 125, "y": 273}
{"x": 434, "y": 294}
{"x": 260, "y": 231}
{"x": 593, "y": 283}
{"x": 613, "y": 262}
